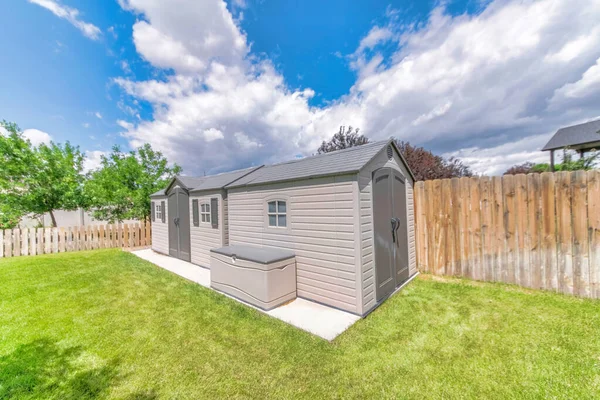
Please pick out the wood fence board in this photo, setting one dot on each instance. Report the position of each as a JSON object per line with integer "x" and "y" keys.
{"x": 430, "y": 227}
{"x": 487, "y": 231}
{"x": 436, "y": 189}
{"x": 508, "y": 192}
{"x": 102, "y": 236}
{"x": 61, "y": 240}
{"x": 593, "y": 179}
{"x": 497, "y": 221}
{"x": 447, "y": 229}
{"x": 47, "y": 240}
{"x": 24, "y": 242}
{"x": 55, "y": 240}
{"x": 16, "y": 242}
{"x": 581, "y": 270}
{"x": 125, "y": 235}
{"x": 549, "y": 245}
{"x": 137, "y": 235}
{"x": 565, "y": 238}
{"x": 522, "y": 267}
{"x": 534, "y": 220}
{"x": 40, "y": 240}
{"x": 475, "y": 227}
{"x": 148, "y": 233}
{"x": 32, "y": 242}
{"x": 8, "y": 245}
{"x": 456, "y": 224}
{"x": 464, "y": 227}
{"x": 143, "y": 234}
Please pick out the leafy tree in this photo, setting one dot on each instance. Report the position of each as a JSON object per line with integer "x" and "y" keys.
{"x": 120, "y": 189}
{"x": 568, "y": 164}
{"x": 39, "y": 179}
{"x": 425, "y": 165}
{"x": 343, "y": 140}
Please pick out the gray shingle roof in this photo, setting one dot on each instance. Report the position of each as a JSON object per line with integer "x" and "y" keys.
{"x": 575, "y": 135}
{"x": 334, "y": 163}
{"x": 211, "y": 182}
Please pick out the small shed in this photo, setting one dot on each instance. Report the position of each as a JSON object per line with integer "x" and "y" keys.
{"x": 582, "y": 138}
{"x": 347, "y": 216}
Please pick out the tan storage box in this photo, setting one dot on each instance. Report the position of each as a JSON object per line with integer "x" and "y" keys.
{"x": 263, "y": 277}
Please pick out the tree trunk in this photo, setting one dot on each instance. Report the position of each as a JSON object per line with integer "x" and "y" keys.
{"x": 53, "y": 219}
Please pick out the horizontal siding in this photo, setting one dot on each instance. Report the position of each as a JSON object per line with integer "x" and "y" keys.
{"x": 160, "y": 230}
{"x": 320, "y": 231}
{"x": 204, "y": 237}
{"x": 366, "y": 223}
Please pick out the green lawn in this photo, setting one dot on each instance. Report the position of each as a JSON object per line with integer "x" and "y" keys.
{"x": 105, "y": 324}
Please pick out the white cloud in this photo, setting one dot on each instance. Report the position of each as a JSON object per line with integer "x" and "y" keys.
{"x": 98, "y": 115}
{"x": 499, "y": 82}
{"x": 37, "y": 137}
{"x": 125, "y": 124}
{"x": 86, "y": 125}
{"x": 71, "y": 15}
{"x": 93, "y": 160}
{"x": 213, "y": 134}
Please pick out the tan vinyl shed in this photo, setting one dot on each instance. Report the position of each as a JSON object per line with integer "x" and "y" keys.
{"x": 347, "y": 216}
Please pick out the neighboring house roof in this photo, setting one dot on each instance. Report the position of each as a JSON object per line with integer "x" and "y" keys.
{"x": 211, "y": 182}
{"x": 335, "y": 163}
{"x": 575, "y": 136}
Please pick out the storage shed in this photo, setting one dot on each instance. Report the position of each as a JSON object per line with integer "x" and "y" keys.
{"x": 347, "y": 216}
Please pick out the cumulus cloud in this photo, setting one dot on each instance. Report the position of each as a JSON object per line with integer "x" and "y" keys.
{"x": 93, "y": 160}
{"x": 71, "y": 15}
{"x": 489, "y": 87}
{"x": 37, "y": 137}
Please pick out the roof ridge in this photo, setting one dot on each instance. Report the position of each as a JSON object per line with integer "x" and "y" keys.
{"x": 347, "y": 149}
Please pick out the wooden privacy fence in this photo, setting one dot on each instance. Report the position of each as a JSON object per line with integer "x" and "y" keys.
{"x": 23, "y": 242}
{"x": 538, "y": 231}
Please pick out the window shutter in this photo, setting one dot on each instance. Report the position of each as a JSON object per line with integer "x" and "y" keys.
{"x": 162, "y": 210}
{"x": 214, "y": 212}
{"x": 195, "y": 212}
{"x": 152, "y": 211}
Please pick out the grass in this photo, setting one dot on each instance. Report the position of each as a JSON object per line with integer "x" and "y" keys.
{"x": 105, "y": 324}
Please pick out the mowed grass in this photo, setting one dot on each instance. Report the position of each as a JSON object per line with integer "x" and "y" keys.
{"x": 105, "y": 324}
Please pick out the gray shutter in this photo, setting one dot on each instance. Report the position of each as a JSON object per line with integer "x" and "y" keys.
{"x": 214, "y": 212}
{"x": 195, "y": 212}
{"x": 152, "y": 210}
{"x": 162, "y": 211}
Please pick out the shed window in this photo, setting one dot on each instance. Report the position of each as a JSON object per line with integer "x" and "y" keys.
{"x": 158, "y": 212}
{"x": 277, "y": 213}
{"x": 205, "y": 212}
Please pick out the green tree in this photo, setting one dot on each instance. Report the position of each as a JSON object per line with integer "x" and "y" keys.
{"x": 568, "y": 164}
{"x": 120, "y": 189}
{"x": 37, "y": 180}
{"x": 343, "y": 140}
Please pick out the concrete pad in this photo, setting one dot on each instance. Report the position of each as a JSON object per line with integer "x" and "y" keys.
{"x": 318, "y": 319}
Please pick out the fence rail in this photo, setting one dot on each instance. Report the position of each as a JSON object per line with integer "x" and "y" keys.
{"x": 538, "y": 231}
{"x": 23, "y": 242}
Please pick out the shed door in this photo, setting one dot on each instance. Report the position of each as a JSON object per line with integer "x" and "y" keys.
{"x": 382, "y": 231}
{"x": 399, "y": 211}
{"x": 179, "y": 224}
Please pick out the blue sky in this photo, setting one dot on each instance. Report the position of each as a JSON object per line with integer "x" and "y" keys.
{"x": 217, "y": 86}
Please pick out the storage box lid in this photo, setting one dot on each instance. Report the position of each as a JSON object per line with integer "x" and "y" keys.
{"x": 263, "y": 255}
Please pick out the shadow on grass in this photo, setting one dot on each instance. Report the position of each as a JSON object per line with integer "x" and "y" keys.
{"x": 41, "y": 369}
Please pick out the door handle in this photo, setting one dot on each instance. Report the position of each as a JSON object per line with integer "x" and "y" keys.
{"x": 393, "y": 230}
{"x": 176, "y": 221}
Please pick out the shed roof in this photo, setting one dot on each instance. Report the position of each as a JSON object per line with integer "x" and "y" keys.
{"x": 575, "y": 136}
{"x": 211, "y": 182}
{"x": 335, "y": 163}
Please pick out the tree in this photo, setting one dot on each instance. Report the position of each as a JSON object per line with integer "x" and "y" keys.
{"x": 39, "y": 179}
{"x": 568, "y": 164}
{"x": 425, "y": 165}
{"x": 343, "y": 140}
{"x": 121, "y": 188}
